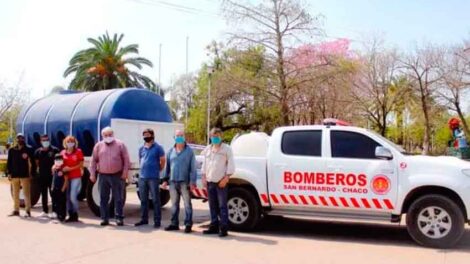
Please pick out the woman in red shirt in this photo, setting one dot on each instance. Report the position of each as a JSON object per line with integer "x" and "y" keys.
{"x": 73, "y": 166}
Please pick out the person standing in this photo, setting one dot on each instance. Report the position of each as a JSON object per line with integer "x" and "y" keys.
{"x": 59, "y": 188}
{"x": 20, "y": 167}
{"x": 110, "y": 160}
{"x": 44, "y": 157}
{"x": 73, "y": 167}
{"x": 217, "y": 167}
{"x": 181, "y": 175}
{"x": 152, "y": 162}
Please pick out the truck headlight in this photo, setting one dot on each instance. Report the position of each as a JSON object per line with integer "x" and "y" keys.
{"x": 466, "y": 172}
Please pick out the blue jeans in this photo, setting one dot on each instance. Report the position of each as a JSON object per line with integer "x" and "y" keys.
{"x": 152, "y": 185}
{"x": 75, "y": 185}
{"x": 111, "y": 183}
{"x": 178, "y": 189}
{"x": 218, "y": 205}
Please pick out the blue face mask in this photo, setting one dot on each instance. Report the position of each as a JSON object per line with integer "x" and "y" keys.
{"x": 216, "y": 140}
{"x": 179, "y": 140}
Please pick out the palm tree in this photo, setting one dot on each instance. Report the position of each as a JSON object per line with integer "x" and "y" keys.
{"x": 106, "y": 66}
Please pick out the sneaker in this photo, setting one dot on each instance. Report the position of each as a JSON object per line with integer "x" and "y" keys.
{"x": 212, "y": 230}
{"x": 119, "y": 222}
{"x": 141, "y": 223}
{"x": 14, "y": 213}
{"x": 104, "y": 223}
{"x": 53, "y": 215}
{"x": 27, "y": 215}
{"x": 172, "y": 228}
{"x": 156, "y": 225}
{"x": 188, "y": 229}
{"x": 43, "y": 215}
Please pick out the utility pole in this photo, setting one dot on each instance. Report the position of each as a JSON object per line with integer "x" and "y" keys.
{"x": 159, "y": 68}
{"x": 210, "y": 70}
{"x": 186, "y": 83}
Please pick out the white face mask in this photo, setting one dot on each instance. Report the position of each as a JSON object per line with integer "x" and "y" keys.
{"x": 45, "y": 144}
{"x": 58, "y": 162}
{"x": 70, "y": 145}
{"x": 108, "y": 139}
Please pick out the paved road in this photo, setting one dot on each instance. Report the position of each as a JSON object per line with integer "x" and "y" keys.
{"x": 278, "y": 241}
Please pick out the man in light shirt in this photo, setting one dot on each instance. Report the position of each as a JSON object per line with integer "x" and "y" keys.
{"x": 217, "y": 167}
{"x": 111, "y": 161}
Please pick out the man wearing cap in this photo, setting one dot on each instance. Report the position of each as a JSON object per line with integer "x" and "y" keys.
{"x": 44, "y": 157}
{"x": 20, "y": 166}
{"x": 217, "y": 167}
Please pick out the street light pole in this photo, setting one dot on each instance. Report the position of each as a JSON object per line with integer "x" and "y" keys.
{"x": 210, "y": 70}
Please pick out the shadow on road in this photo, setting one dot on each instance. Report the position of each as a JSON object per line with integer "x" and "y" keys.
{"x": 370, "y": 233}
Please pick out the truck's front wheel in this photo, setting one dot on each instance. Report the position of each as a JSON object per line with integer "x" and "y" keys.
{"x": 244, "y": 211}
{"x": 435, "y": 221}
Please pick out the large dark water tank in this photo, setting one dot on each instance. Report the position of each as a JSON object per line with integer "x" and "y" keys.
{"x": 84, "y": 114}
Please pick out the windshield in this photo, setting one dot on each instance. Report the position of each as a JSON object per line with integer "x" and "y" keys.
{"x": 393, "y": 145}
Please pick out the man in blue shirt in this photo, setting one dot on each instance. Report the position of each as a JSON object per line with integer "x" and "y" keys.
{"x": 181, "y": 174}
{"x": 152, "y": 162}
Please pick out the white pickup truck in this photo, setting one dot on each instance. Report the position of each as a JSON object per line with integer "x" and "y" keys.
{"x": 347, "y": 173}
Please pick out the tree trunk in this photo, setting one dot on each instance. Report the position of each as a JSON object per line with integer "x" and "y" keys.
{"x": 427, "y": 126}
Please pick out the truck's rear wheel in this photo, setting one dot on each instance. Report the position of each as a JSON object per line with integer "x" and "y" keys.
{"x": 164, "y": 196}
{"x": 243, "y": 209}
{"x": 35, "y": 193}
{"x": 93, "y": 199}
{"x": 435, "y": 221}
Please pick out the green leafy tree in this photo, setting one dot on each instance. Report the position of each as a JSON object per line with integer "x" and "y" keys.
{"x": 107, "y": 65}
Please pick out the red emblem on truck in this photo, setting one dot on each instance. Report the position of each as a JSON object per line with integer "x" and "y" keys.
{"x": 380, "y": 184}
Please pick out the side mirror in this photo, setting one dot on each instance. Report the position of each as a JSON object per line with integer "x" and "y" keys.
{"x": 383, "y": 153}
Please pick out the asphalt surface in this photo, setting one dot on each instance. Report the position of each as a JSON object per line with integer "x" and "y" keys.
{"x": 279, "y": 240}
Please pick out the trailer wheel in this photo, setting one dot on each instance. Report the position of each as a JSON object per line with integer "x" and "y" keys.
{"x": 93, "y": 199}
{"x": 244, "y": 210}
{"x": 435, "y": 221}
{"x": 35, "y": 193}
{"x": 164, "y": 197}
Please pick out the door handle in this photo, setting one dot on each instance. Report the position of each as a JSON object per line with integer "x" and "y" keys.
{"x": 280, "y": 165}
{"x": 335, "y": 167}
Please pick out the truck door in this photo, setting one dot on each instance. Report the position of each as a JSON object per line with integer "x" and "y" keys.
{"x": 294, "y": 159}
{"x": 363, "y": 182}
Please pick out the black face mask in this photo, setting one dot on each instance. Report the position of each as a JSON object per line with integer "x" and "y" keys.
{"x": 148, "y": 139}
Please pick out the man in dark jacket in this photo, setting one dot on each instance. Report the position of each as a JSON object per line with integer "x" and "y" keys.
{"x": 44, "y": 157}
{"x": 20, "y": 166}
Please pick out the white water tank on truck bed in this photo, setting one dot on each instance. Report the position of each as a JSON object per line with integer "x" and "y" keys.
{"x": 253, "y": 144}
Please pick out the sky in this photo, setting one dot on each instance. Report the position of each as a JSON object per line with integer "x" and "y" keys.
{"x": 38, "y": 38}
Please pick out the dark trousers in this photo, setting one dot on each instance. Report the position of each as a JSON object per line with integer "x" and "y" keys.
{"x": 45, "y": 188}
{"x": 111, "y": 183}
{"x": 218, "y": 205}
{"x": 59, "y": 199}
{"x": 152, "y": 186}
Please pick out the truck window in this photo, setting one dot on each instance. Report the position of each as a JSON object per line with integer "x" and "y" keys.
{"x": 352, "y": 145}
{"x": 302, "y": 143}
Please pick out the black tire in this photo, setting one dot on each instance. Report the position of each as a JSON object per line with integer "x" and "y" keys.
{"x": 164, "y": 197}
{"x": 85, "y": 180}
{"x": 454, "y": 216}
{"x": 35, "y": 193}
{"x": 94, "y": 206}
{"x": 243, "y": 220}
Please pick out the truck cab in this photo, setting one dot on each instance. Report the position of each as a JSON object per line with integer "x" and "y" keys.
{"x": 348, "y": 173}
